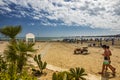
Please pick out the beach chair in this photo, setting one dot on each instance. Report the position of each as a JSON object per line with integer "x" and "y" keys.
{"x": 78, "y": 51}
{"x": 84, "y": 50}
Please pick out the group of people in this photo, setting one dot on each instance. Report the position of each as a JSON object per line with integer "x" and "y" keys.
{"x": 107, "y": 62}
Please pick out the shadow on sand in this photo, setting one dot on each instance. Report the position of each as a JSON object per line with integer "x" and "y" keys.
{"x": 107, "y": 76}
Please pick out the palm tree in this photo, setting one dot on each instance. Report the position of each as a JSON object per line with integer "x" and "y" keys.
{"x": 22, "y": 48}
{"x": 16, "y": 52}
{"x": 11, "y": 55}
{"x": 77, "y": 73}
{"x": 11, "y": 31}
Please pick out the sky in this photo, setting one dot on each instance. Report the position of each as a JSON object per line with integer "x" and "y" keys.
{"x": 59, "y": 18}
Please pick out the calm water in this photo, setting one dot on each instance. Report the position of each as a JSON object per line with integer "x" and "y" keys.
{"x": 52, "y": 38}
{"x": 37, "y": 38}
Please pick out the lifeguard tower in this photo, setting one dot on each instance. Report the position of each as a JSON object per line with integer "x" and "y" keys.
{"x": 30, "y": 37}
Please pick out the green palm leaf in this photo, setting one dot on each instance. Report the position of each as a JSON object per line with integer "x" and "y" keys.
{"x": 11, "y": 31}
{"x": 77, "y": 73}
{"x": 22, "y": 48}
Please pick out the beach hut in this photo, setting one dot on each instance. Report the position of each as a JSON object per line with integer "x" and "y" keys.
{"x": 30, "y": 37}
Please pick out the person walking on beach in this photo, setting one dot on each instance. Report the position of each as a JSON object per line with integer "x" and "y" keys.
{"x": 107, "y": 61}
{"x": 110, "y": 66}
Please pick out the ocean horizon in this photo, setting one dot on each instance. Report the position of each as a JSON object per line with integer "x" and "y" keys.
{"x": 36, "y": 38}
{"x": 61, "y": 38}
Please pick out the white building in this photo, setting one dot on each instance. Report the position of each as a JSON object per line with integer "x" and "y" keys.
{"x": 30, "y": 37}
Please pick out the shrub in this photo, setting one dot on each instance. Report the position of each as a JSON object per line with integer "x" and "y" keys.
{"x": 41, "y": 65}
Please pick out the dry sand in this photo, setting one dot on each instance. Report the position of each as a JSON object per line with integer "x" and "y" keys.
{"x": 61, "y": 55}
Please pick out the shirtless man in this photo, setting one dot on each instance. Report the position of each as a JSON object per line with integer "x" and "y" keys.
{"x": 107, "y": 61}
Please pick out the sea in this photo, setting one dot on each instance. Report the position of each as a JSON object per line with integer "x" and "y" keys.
{"x": 36, "y": 38}
{"x": 50, "y": 38}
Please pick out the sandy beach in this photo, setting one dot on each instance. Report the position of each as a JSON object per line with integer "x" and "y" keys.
{"x": 61, "y": 55}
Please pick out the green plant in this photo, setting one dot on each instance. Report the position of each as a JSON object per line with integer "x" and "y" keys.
{"x": 15, "y": 55}
{"x": 41, "y": 65}
{"x": 22, "y": 48}
{"x": 11, "y": 31}
{"x": 12, "y": 71}
{"x": 10, "y": 53}
{"x": 77, "y": 73}
{"x": 3, "y": 64}
{"x": 60, "y": 76}
{"x": 4, "y": 76}
{"x": 23, "y": 76}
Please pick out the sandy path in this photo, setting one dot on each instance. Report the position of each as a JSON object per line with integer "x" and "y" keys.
{"x": 44, "y": 51}
{"x": 43, "y": 48}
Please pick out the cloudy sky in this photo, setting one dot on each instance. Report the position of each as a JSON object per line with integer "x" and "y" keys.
{"x": 62, "y": 17}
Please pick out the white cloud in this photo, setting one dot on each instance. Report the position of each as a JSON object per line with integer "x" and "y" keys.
{"x": 95, "y": 13}
{"x": 7, "y": 9}
{"x": 50, "y": 24}
{"x": 36, "y": 17}
{"x": 2, "y": 3}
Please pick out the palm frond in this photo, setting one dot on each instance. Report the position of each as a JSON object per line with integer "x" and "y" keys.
{"x": 77, "y": 73}
{"x": 11, "y": 31}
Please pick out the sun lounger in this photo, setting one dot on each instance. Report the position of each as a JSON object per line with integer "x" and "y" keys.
{"x": 84, "y": 50}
